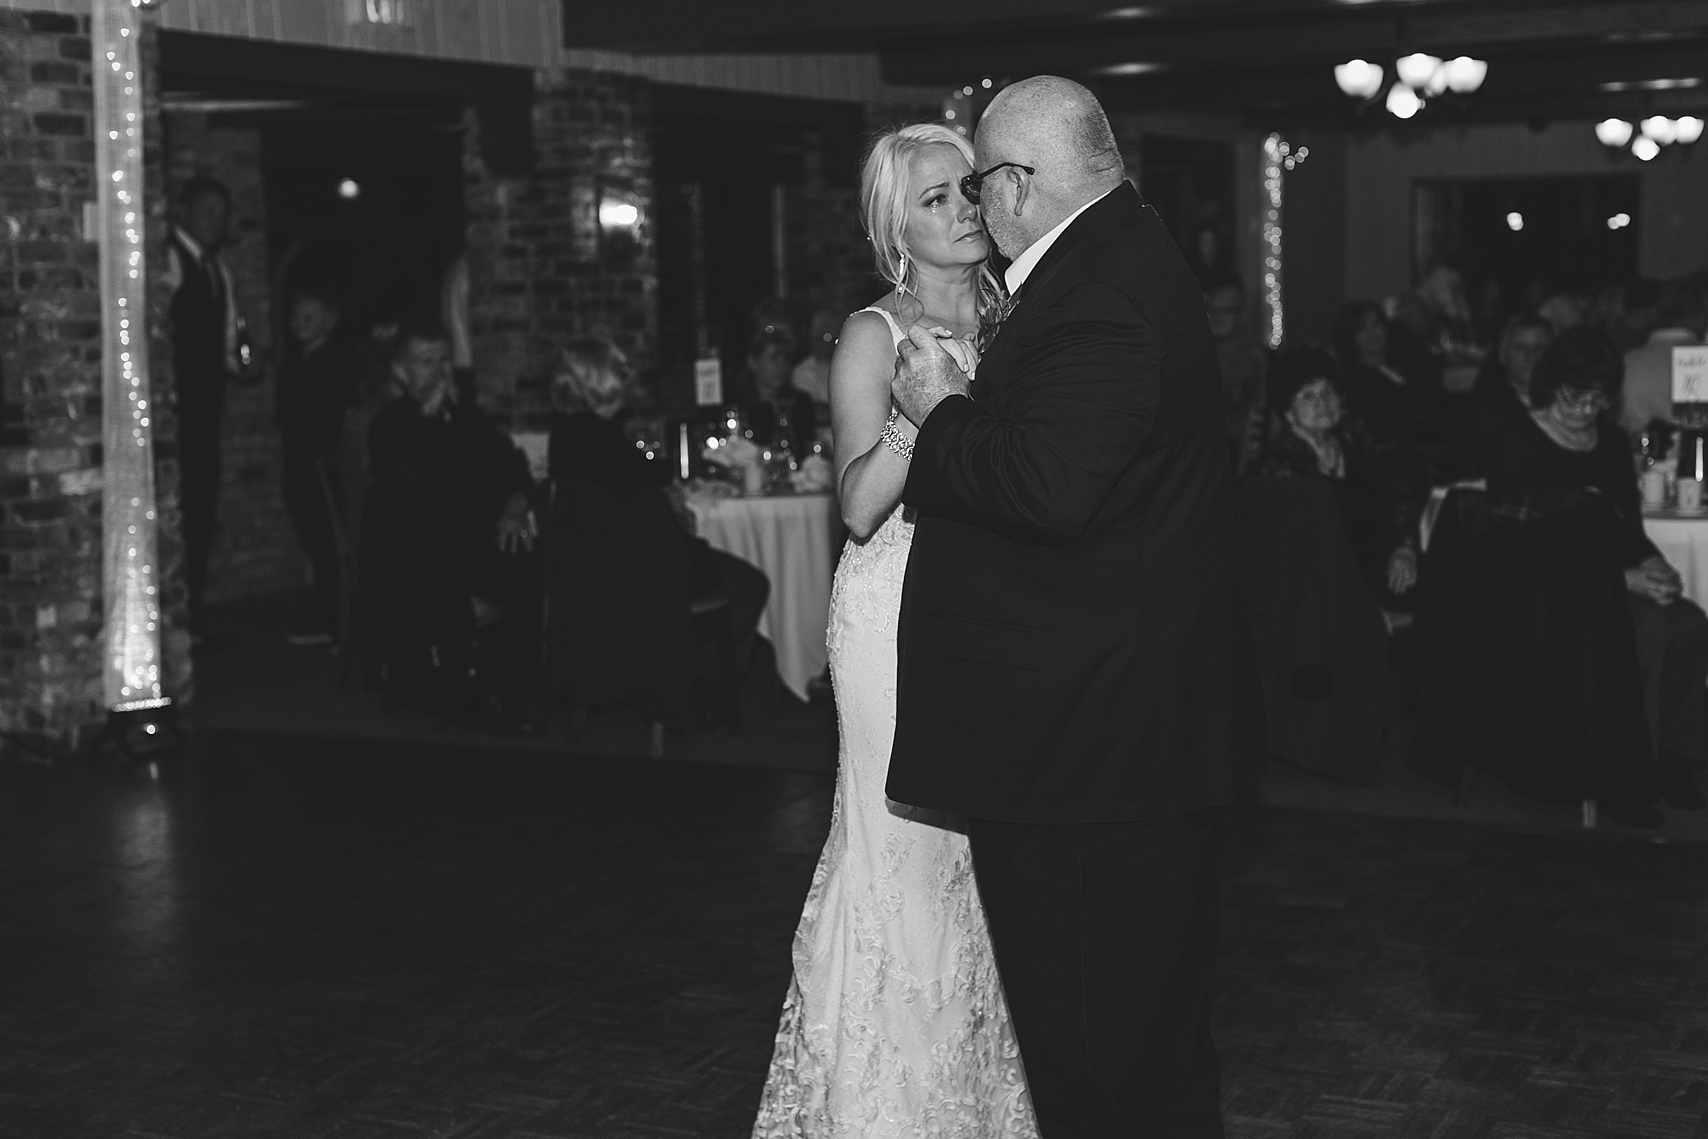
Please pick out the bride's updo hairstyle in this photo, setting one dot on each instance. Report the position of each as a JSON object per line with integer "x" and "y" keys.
{"x": 883, "y": 209}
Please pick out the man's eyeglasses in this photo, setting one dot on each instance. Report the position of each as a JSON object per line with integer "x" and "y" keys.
{"x": 971, "y": 183}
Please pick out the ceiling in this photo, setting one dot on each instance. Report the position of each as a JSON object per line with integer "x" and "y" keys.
{"x": 1268, "y": 61}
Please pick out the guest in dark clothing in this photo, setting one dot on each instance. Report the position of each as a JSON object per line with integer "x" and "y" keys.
{"x": 777, "y": 412}
{"x": 204, "y": 337}
{"x": 588, "y": 443}
{"x": 1567, "y": 448}
{"x": 1502, "y": 392}
{"x": 447, "y": 528}
{"x": 1400, "y": 406}
{"x": 1318, "y": 438}
{"x": 319, "y": 381}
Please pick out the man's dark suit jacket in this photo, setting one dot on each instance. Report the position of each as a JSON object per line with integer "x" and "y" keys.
{"x": 1068, "y": 648}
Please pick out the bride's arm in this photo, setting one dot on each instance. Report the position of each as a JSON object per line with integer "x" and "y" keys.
{"x": 870, "y": 475}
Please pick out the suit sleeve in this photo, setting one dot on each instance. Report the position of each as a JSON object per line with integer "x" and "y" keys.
{"x": 1078, "y": 410}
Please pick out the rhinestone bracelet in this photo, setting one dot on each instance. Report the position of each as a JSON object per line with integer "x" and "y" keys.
{"x": 895, "y": 440}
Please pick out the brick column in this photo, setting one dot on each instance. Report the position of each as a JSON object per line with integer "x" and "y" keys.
{"x": 537, "y": 273}
{"x": 50, "y": 376}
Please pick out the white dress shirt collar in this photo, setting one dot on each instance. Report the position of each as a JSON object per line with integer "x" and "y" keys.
{"x": 1034, "y": 253}
{"x": 190, "y": 243}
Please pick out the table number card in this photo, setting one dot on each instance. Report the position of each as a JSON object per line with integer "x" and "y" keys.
{"x": 708, "y": 382}
{"x": 1690, "y": 373}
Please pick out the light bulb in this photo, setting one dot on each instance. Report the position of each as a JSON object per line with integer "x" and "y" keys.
{"x": 1614, "y": 133}
{"x": 1660, "y": 128}
{"x": 1687, "y": 129}
{"x": 1358, "y": 79}
{"x": 1403, "y": 102}
{"x": 1619, "y": 221}
{"x": 1465, "y": 74}
{"x": 349, "y": 189}
{"x": 1415, "y": 69}
{"x": 1645, "y": 149}
{"x": 1515, "y": 221}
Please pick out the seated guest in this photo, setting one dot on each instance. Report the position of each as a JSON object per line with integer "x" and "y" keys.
{"x": 446, "y": 528}
{"x": 1399, "y": 403}
{"x": 812, "y": 374}
{"x": 588, "y": 443}
{"x": 319, "y": 381}
{"x": 1568, "y": 447}
{"x": 1243, "y": 365}
{"x": 1320, "y": 439}
{"x": 1681, "y": 317}
{"x": 1502, "y": 393}
{"x": 776, "y": 412}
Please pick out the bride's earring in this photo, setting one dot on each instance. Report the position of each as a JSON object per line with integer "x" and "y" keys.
{"x": 901, "y": 274}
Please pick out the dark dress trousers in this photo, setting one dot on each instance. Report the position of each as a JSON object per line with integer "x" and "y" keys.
{"x": 198, "y": 319}
{"x": 1071, "y": 673}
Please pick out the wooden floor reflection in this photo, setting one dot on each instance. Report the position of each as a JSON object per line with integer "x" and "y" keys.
{"x": 278, "y": 937}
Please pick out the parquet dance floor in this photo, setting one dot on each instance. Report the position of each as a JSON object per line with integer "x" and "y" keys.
{"x": 279, "y": 937}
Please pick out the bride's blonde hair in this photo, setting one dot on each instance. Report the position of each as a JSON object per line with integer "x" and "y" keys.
{"x": 883, "y": 210}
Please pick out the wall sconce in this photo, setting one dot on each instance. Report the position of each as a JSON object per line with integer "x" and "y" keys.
{"x": 621, "y": 216}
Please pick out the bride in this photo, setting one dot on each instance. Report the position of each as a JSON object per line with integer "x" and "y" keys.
{"x": 894, "y": 1023}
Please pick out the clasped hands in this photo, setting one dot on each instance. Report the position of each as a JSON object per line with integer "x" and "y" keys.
{"x": 927, "y": 371}
{"x": 1654, "y": 579}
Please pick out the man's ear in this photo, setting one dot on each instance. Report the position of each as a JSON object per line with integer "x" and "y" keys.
{"x": 1022, "y": 190}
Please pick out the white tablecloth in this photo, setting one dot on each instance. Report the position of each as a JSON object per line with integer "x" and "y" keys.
{"x": 793, "y": 538}
{"x": 1684, "y": 543}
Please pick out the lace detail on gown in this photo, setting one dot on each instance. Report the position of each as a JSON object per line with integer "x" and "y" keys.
{"x": 894, "y": 1023}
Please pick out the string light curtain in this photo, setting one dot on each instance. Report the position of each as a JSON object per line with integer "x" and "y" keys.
{"x": 131, "y": 572}
{"x": 1274, "y": 155}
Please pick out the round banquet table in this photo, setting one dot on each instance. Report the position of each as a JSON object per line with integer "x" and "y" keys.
{"x": 1683, "y": 541}
{"x": 793, "y": 538}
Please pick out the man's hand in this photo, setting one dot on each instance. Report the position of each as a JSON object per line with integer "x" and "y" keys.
{"x": 925, "y": 374}
{"x": 1655, "y": 580}
{"x": 516, "y": 529}
{"x": 1402, "y": 570}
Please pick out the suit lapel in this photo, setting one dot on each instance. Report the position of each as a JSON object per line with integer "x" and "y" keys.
{"x": 1033, "y": 295}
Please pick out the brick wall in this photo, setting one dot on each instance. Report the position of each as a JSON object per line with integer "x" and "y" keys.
{"x": 537, "y": 273}
{"x": 255, "y": 550}
{"x": 50, "y": 388}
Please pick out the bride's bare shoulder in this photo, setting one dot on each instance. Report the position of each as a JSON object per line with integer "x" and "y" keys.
{"x": 865, "y": 338}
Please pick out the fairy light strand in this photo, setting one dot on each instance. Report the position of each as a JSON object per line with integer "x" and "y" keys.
{"x": 131, "y": 578}
{"x": 1275, "y": 156}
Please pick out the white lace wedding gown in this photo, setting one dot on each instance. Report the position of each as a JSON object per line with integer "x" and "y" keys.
{"x": 894, "y": 1023}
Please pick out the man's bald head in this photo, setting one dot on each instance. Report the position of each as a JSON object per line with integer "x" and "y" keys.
{"x": 1058, "y": 128}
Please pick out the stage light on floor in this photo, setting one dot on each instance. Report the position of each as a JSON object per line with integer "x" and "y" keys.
{"x": 1515, "y": 221}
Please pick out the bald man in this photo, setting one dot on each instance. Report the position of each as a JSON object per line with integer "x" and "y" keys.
{"x": 1069, "y": 674}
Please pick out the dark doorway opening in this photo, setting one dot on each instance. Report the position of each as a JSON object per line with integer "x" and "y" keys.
{"x": 372, "y": 210}
{"x": 724, "y": 164}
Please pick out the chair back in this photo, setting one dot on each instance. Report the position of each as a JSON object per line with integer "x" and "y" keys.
{"x": 618, "y": 624}
{"x": 1320, "y": 640}
{"x": 1527, "y": 664}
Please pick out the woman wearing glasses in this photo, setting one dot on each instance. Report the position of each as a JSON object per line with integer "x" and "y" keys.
{"x": 1568, "y": 447}
{"x": 894, "y": 1023}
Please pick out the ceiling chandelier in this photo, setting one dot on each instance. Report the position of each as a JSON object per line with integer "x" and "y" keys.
{"x": 1419, "y": 77}
{"x": 1647, "y": 138}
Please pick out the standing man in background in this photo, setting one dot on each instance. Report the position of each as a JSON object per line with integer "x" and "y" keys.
{"x": 206, "y": 335}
